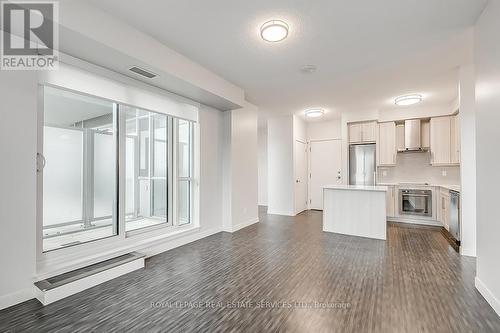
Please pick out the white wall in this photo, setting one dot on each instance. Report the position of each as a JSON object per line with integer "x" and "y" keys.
{"x": 280, "y": 165}
{"x": 487, "y": 61}
{"x": 18, "y": 105}
{"x": 414, "y": 112}
{"x": 282, "y": 133}
{"x": 324, "y": 130}
{"x": 467, "y": 117}
{"x": 211, "y": 150}
{"x": 244, "y": 167}
{"x": 299, "y": 129}
{"x": 262, "y": 183}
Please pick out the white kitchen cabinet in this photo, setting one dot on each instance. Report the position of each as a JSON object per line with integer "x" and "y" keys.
{"x": 455, "y": 140}
{"x": 400, "y": 137}
{"x": 390, "y": 201}
{"x": 444, "y": 208}
{"x": 355, "y": 133}
{"x": 440, "y": 141}
{"x": 425, "y": 134}
{"x": 363, "y": 132}
{"x": 369, "y": 131}
{"x": 445, "y": 141}
{"x": 386, "y": 144}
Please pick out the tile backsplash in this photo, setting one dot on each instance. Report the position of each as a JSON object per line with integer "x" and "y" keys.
{"x": 415, "y": 167}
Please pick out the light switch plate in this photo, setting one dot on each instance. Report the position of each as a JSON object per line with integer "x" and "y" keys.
{"x": 444, "y": 173}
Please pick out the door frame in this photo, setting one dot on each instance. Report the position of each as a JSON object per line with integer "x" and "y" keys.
{"x": 296, "y": 210}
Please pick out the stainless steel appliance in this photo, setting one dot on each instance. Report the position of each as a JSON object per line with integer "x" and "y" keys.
{"x": 362, "y": 164}
{"x": 412, "y": 135}
{"x": 455, "y": 216}
{"x": 415, "y": 202}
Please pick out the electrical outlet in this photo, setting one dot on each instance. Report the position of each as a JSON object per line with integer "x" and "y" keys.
{"x": 384, "y": 173}
{"x": 444, "y": 173}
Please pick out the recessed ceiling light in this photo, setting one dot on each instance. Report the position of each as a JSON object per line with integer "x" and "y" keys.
{"x": 274, "y": 31}
{"x": 314, "y": 113}
{"x": 308, "y": 69}
{"x": 408, "y": 100}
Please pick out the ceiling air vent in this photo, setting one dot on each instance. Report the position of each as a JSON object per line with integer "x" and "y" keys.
{"x": 142, "y": 72}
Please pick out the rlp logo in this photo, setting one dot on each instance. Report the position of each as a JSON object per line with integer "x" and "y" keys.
{"x": 28, "y": 28}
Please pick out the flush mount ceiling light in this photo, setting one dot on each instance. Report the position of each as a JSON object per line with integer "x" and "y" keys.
{"x": 274, "y": 31}
{"x": 408, "y": 100}
{"x": 308, "y": 69}
{"x": 314, "y": 113}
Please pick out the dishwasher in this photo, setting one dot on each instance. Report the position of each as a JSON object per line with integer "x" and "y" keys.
{"x": 455, "y": 216}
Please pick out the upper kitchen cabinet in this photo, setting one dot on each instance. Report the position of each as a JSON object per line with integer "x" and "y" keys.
{"x": 400, "y": 137}
{"x": 369, "y": 131}
{"x": 443, "y": 138}
{"x": 363, "y": 132}
{"x": 386, "y": 144}
{"x": 355, "y": 133}
{"x": 426, "y": 137}
{"x": 455, "y": 139}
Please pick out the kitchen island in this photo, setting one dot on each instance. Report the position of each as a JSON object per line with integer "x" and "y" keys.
{"x": 355, "y": 210}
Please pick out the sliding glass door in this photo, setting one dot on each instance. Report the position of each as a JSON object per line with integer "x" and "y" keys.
{"x": 79, "y": 177}
{"x": 147, "y": 172}
{"x": 83, "y": 139}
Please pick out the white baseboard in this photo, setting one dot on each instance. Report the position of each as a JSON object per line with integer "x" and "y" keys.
{"x": 276, "y": 212}
{"x": 467, "y": 252}
{"x": 52, "y": 295}
{"x": 244, "y": 224}
{"x": 16, "y": 298}
{"x": 411, "y": 221}
{"x": 488, "y": 295}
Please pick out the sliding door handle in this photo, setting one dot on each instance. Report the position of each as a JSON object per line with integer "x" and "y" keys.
{"x": 40, "y": 162}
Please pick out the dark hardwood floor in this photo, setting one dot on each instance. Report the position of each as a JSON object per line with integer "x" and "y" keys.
{"x": 288, "y": 276}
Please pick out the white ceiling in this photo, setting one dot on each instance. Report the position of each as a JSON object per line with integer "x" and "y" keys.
{"x": 367, "y": 52}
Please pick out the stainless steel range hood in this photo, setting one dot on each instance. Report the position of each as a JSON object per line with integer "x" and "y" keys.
{"x": 413, "y": 140}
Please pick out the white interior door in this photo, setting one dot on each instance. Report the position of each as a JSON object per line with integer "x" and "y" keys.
{"x": 300, "y": 176}
{"x": 325, "y": 169}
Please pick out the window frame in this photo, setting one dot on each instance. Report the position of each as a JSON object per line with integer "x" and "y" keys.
{"x": 191, "y": 178}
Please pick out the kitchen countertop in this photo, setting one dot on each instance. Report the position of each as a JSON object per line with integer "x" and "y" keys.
{"x": 448, "y": 187}
{"x": 356, "y": 188}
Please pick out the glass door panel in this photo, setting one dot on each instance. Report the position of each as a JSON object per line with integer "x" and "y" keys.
{"x": 146, "y": 192}
{"x": 79, "y": 177}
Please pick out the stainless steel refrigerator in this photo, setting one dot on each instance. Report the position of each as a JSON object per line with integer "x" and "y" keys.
{"x": 362, "y": 164}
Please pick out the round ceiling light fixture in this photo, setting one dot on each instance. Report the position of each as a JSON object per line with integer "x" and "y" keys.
{"x": 408, "y": 100}
{"x": 308, "y": 69}
{"x": 314, "y": 113}
{"x": 274, "y": 31}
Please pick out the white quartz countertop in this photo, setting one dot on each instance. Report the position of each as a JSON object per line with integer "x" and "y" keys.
{"x": 356, "y": 188}
{"x": 410, "y": 185}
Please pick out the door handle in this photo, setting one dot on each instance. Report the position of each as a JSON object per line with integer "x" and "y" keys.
{"x": 40, "y": 158}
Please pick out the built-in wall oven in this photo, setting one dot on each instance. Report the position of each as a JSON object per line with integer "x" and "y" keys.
{"x": 415, "y": 202}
